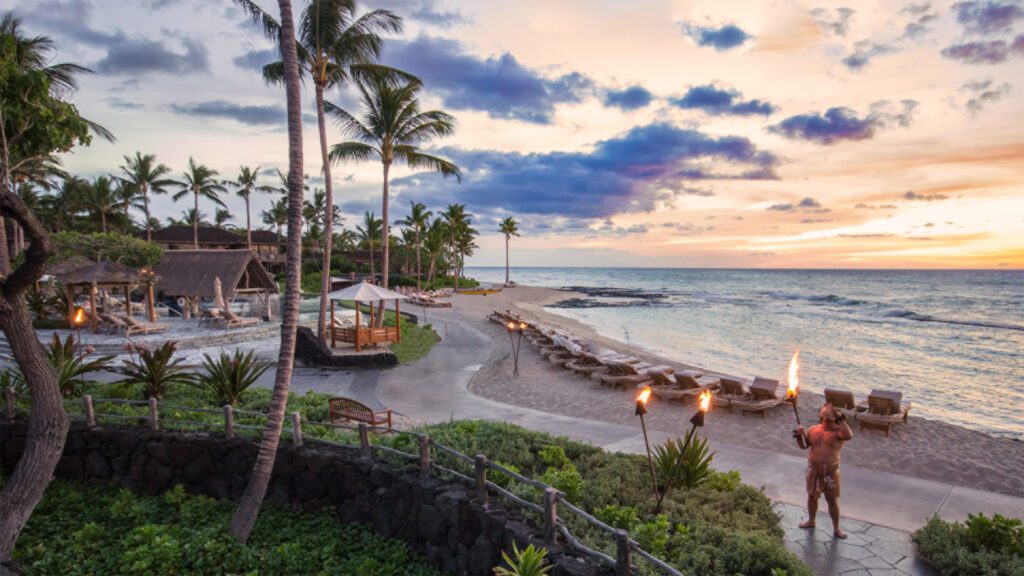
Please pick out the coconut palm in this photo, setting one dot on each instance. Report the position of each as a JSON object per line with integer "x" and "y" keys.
{"x": 435, "y": 243}
{"x": 277, "y": 215}
{"x": 65, "y": 202}
{"x": 221, "y": 217}
{"x": 145, "y": 176}
{"x": 391, "y": 130}
{"x": 199, "y": 181}
{"x": 100, "y": 199}
{"x": 336, "y": 44}
{"x": 454, "y": 218}
{"x": 509, "y": 228}
{"x": 369, "y": 236}
{"x": 418, "y": 220}
{"x": 256, "y": 489}
{"x": 246, "y": 184}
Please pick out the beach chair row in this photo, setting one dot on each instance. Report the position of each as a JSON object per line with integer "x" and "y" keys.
{"x": 426, "y": 298}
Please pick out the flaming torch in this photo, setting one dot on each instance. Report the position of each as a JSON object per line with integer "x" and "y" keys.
{"x": 78, "y": 321}
{"x": 793, "y": 393}
{"x": 641, "y": 409}
{"x": 703, "y": 405}
{"x": 514, "y": 327}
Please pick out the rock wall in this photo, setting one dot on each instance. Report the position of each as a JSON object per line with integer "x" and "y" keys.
{"x": 436, "y": 517}
{"x": 312, "y": 352}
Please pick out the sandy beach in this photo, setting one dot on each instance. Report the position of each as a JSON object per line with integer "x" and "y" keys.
{"x": 921, "y": 448}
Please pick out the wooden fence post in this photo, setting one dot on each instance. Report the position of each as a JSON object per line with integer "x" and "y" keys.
{"x": 229, "y": 421}
{"x": 550, "y": 514}
{"x": 90, "y": 414}
{"x": 623, "y": 563}
{"x": 297, "y": 429}
{"x": 364, "y": 442}
{"x": 9, "y": 400}
{"x": 154, "y": 415}
{"x": 480, "y": 464}
{"x": 425, "y": 455}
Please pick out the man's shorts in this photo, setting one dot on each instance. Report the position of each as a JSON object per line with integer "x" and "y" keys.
{"x": 822, "y": 479}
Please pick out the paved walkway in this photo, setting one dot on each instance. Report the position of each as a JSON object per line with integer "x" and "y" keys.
{"x": 882, "y": 509}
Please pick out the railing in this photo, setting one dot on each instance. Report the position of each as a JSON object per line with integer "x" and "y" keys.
{"x": 478, "y": 482}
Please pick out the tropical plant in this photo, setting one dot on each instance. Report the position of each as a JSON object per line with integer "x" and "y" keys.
{"x": 12, "y": 378}
{"x": 435, "y": 244}
{"x": 392, "y": 129}
{"x": 68, "y": 359}
{"x": 509, "y": 228}
{"x": 369, "y": 236}
{"x": 684, "y": 463}
{"x": 457, "y": 223}
{"x": 100, "y": 199}
{"x": 127, "y": 250}
{"x": 227, "y": 377}
{"x": 199, "y": 181}
{"x": 39, "y": 304}
{"x": 277, "y": 216}
{"x": 221, "y": 217}
{"x": 527, "y": 562}
{"x": 246, "y": 185}
{"x": 419, "y": 221}
{"x": 145, "y": 176}
{"x": 156, "y": 370}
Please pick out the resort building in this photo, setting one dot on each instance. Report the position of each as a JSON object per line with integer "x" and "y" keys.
{"x": 268, "y": 247}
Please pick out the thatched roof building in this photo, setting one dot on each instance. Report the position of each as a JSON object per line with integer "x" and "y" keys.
{"x": 191, "y": 273}
{"x": 105, "y": 273}
{"x": 68, "y": 265}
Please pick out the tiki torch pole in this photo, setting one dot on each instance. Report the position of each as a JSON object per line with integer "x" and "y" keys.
{"x": 641, "y": 410}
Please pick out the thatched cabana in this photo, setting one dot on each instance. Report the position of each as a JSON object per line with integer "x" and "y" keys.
{"x": 191, "y": 275}
{"x": 371, "y": 334}
{"x": 107, "y": 274}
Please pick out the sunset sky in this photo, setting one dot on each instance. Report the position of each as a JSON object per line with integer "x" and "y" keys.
{"x": 719, "y": 133}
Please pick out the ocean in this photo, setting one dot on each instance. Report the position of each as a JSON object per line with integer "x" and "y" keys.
{"x": 951, "y": 341}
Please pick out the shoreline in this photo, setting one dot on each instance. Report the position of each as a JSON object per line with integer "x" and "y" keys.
{"x": 922, "y": 448}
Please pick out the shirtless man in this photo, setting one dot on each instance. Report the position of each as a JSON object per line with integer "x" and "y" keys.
{"x": 825, "y": 441}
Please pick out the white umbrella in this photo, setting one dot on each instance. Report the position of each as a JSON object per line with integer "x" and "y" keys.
{"x": 366, "y": 292}
{"x": 218, "y": 297}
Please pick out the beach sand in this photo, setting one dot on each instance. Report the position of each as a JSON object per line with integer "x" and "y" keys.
{"x": 921, "y": 448}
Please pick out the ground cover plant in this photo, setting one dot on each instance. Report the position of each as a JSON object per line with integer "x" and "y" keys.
{"x": 981, "y": 546}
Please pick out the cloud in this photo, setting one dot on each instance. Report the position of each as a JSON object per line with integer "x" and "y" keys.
{"x": 835, "y": 22}
{"x": 721, "y": 39}
{"x": 425, "y": 11}
{"x": 985, "y": 52}
{"x": 630, "y": 98}
{"x": 717, "y": 101}
{"x": 987, "y": 16}
{"x": 925, "y": 197}
{"x": 499, "y": 85}
{"x": 252, "y": 115}
{"x": 917, "y": 23}
{"x": 622, "y": 174}
{"x": 838, "y": 124}
{"x": 808, "y": 204}
{"x": 140, "y": 56}
{"x": 862, "y": 206}
{"x": 122, "y": 104}
{"x": 983, "y": 93}
{"x": 256, "y": 59}
{"x": 815, "y": 220}
{"x": 863, "y": 52}
{"x": 921, "y": 17}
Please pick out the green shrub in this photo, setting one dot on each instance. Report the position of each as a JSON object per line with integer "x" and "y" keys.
{"x": 723, "y": 481}
{"x": 653, "y": 536}
{"x": 623, "y": 517}
{"x": 71, "y": 363}
{"x": 566, "y": 479}
{"x": 155, "y": 370}
{"x": 684, "y": 463}
{"x": 982, "y": 546}
{"x": 227, "y": 377}
{"x": 528, "y": 562}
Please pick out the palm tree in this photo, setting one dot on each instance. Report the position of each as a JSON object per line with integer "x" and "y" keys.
{"x": 256, "y": 489}
{"x": 509, "y": 228}
{"x": 435, "y": 243}
{"x": 246, "y": 184}
{"x": 145, "y": 176}
{"x": 391, "y": 129}
{"x": 221, "y": 217}
{"x": 369, "y": 236}
{"x": 334, "y": 45}
{"x": 65, "y": 202}
{"x": 418, "y": 220}
{"x": 454, "y": 218}
{"x": 346, "y": 239}
{"x": 277, "y": 215}
{"x": 199, "y": 181}
{"x": 101, "y": 199}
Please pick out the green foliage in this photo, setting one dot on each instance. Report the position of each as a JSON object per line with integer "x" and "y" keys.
{"x": 981, "y": 546}
{"x": 310, "y": 283}
{"x": 228, "y": 376}
{"x": 723, "y": 481}
{"x": 683, "y": 462}
{"x": 553, "y": 456}
{"x": 155, "y": 370}
{"x": 566, "y": 479}
{"x": 99, "y": 529}
{"x": 528, "y": 562}
{"x": 12, "y": 378}
{"x": 449, "y": 282}
{"x": 653, "y": 536}
{"x": 416, "y": 340}
{"x": 623, "y": 517}
{"x": 39, "y": 304}
{"x": 50, "y": 324}
{"x": 127, "y": 250}
{"x": 72, "y": 364}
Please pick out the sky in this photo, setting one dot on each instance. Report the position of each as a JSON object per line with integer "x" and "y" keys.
{"x": 650, "y": 133}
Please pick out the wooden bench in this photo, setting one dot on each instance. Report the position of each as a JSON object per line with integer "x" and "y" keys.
{"x": 347, "y": 409}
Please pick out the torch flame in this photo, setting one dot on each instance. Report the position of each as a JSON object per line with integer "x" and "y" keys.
{"x": 79, "y": 316}
{"x": 511, "y": 326}
{"x": 794, "y": 378}
{"x": 705, "y": 400}
{"x": 522, "y": 325}
{"x": 644, "y": 396}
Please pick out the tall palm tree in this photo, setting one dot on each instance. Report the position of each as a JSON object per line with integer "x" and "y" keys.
{"x": 246, "y": 184}
{"x": 256, "y": 489}
{"x": 509, "y": 228}
{"x": 418, "y": 220}
{"x": 221, "y": 217}
{"x": 335, "y": 44}
{"x": 145, "y": 176}
{"x": 199, "y": 181}
{"x": 101, "y": 199}
{"x": 65, "y": 202}
{"x": 435, "y": 243}
{"x": 277, "y": 216}
{"x": 369, "y": 236}
{"x": 346, "y": 239}
{"x": 454, "y": 218}
{"x": 391, "y": 130}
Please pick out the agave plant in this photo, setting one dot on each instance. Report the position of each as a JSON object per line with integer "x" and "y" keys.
{"x": 527, "y": 562}
{"x": 71, "y": 364}
{"x": 157, "y": 370}
{"x": 38, "y": 304}
{"x": 227, "y": 377}
{"x": 682, "y": 463}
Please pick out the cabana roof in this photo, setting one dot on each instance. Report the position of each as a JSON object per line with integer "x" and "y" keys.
{"x": 192, "y": 272}
{"x": 68, "y": 265}
{"x": 366, "y": 292}
{"x": 105, "y": 273}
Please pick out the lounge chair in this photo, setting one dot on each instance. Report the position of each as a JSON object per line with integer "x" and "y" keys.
{"x": 233, "y": 321}
{"x": 210, "y": 316}
{"x": 587, "y": 364}
{"x": 136, "y": 327}
{"x": 840, "y": 399}
{"x": 681, "y": 385}
{"x": 882, "y": 409}
{"x": 729, "y": 389}
{"x": 111, "y": 324}
{"x": 763, "y": 396}
{"x": 624, "y": 374}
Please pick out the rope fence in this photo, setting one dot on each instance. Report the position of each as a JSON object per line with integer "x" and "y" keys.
{"x": 480, "y": 485}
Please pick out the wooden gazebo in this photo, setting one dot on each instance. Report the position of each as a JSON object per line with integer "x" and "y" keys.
{"x": 190, "y": 275}
{"x": 364, "y": 292}
{"x": 107, "y": 275}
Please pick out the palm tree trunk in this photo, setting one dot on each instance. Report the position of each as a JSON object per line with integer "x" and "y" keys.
{"x": 145, "y": 202}
{"x": 419, "y": 270}
{"x": 325, "y": 269}
{"x": 249, "y": 507}
{"x": 103, "y": 219}
{"x": 248, "y": 224}
{"x": 385, "y": 233}
{"x": 195, "y": 222}
{"x": 506, "y": 259}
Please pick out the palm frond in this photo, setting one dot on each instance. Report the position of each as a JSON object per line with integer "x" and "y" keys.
{"x": 352, "y": 152}
{"x": 416, "y": 159}
{"x": 100, "y": 131}
{"x": 271, "y": 27}
{"x": 348, "y": 123}
{"x": 273, "y": 73}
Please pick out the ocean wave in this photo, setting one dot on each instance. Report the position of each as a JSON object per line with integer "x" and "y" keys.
{"x": 911, "y": 315}
{"x": 825, "y": 298}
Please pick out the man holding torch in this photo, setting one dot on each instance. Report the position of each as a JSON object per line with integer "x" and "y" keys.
{"x": 825, "y": 441}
